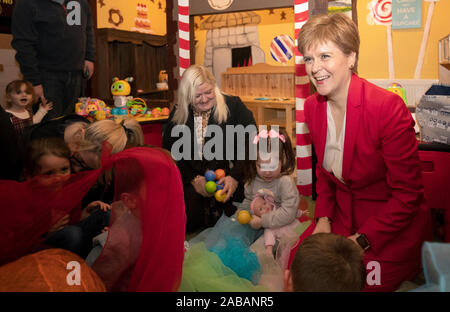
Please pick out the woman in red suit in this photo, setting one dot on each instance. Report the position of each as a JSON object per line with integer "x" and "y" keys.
{"x": 369, "y": 182}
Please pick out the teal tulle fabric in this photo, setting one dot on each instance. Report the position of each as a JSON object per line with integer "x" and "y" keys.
{"x": 232, "y": 257}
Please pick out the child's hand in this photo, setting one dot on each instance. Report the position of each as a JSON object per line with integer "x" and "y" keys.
{"x": 47, "y": 105}
{"x": 92, "y": 206}
{"x": 255, "y": 222}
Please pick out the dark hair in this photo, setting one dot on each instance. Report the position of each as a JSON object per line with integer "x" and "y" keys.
{"x": 328, "y": 262}
{"x": 44, "y": 146}
{"x": 286, "y": 156}
{"x": 14, "y": 86}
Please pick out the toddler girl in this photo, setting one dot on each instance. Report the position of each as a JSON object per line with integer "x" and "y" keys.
{"x": 50, "y": 158}
{"x": 19, "y": 99}
{"x": 272, "y": 171}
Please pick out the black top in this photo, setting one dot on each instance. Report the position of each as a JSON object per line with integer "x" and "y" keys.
{"x": 11, "y": 152}
{"x": 48, "y": 35}
{"x": 238, "y": 115}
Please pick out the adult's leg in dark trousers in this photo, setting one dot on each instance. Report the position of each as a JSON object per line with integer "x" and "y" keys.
{"x": 72, "y": 91}
{"x": 54, "y": 85}
{"x": 195, "y": 211}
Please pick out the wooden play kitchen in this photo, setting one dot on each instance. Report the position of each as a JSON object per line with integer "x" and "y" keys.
{"x": 268, "y": 91}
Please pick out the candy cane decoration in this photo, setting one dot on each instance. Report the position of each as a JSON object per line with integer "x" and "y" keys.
{"x": 381, "y": 11}
{"x": 183, "y": 35}
{"x": 304, "y": 154}
{"x": 423, "y": 45}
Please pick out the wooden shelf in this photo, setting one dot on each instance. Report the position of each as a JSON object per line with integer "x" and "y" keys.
{"x": 129, "y": 54}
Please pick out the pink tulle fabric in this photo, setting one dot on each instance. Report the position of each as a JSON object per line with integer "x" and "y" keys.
{"x": 144, "y": 250}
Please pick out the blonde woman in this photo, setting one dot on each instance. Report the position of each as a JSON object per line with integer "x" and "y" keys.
{"x": 202, "y": 108}
{"x": 127, "y": 133}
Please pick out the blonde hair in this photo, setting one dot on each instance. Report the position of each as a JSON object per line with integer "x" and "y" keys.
{"x": 337, "y": 28}
{"x": 128, "y": 133}
{"x": 192, "y": 78}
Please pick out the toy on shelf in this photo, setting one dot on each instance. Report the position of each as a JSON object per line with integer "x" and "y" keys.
{"x": 136, "y": 107}
{"x": 212, "y": 185}
{"x": 162, "y": 77}
{"x": 158, "y": 112}
{"x": 120, "y": 89}
{"x": 93, "y": 109}
{"x": 398, "y": 89}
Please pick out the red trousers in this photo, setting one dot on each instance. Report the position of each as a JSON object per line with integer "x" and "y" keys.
{"x": 381, "y": 275}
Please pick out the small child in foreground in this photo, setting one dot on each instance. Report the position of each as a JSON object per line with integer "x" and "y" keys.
{"x": 50, "y": 157}
{"x": 326, "y": 262}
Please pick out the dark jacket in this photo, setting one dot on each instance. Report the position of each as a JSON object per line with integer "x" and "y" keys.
{"x": 238, "y": 115}
{"x": 44, "y": 40}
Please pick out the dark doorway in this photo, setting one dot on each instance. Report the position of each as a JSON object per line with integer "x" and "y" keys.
{"x": 241, "y": 57}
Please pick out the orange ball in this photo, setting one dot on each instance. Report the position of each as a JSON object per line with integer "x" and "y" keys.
{"x": 156, "y": 113}
{"x": 220, "y": 196}
{"x": 220, "y": 173}
{"x": 165, "y": 111}
{"x": 244, "y": 217}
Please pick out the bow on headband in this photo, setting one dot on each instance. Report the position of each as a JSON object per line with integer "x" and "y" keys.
{"x": 271, "y": 134}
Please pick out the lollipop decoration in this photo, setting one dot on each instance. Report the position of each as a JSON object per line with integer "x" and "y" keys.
{"x": 381, "y": 12}
{"x": 282, "y": 48}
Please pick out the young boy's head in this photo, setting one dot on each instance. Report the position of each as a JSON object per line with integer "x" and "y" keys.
{"x": 326, "y": 262}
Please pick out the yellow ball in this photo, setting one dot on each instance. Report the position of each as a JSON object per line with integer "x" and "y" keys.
{"x": 220, "y": 196}
{"x": 244, "y": 217}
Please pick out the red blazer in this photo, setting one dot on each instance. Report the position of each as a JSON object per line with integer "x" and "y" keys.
{"x": 383, "y": 196}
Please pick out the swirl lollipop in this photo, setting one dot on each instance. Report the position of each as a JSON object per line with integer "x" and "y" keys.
{"x": 382, "y": 12}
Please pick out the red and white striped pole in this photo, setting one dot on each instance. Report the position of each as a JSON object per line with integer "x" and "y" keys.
{"x": 184, "y": 55}
{"x": 304, "y": 151}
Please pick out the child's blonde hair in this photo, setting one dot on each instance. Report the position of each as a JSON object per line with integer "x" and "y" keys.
{"x": 15, "y": 86}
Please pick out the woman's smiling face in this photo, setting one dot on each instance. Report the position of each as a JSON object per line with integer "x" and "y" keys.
{"x": 205, "y": 97}
{"x": 329, "y": 69}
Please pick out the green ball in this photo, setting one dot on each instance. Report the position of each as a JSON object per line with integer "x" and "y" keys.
{"x": 210, "y": 187}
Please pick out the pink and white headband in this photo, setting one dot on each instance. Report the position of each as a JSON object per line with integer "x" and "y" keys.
{"x": 264, "y": 134}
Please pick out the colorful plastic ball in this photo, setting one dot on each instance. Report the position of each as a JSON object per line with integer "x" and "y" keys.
{"x": 210, "y": 175}
{"x": 220, "y": 173}
{"x": 156, "y": 113}
{"x": 220, "y": 196}
{"x": 165, "y": 111}
{"x": 220, "y": 186}
{"x": 210, "y": 187}
{"x": 244, "y": 217}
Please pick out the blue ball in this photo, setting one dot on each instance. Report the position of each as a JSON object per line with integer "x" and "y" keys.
{"x": 220, "y": 186}
{"x": 210, "y": 175}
